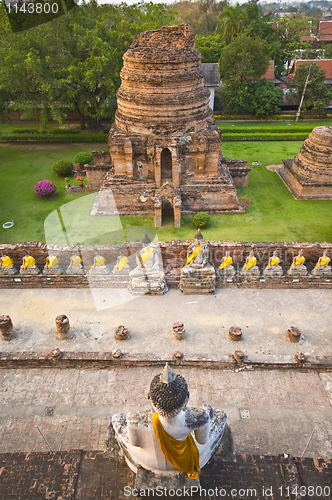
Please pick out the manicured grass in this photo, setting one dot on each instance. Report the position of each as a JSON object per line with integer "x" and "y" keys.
{"x": 273, "y": 214}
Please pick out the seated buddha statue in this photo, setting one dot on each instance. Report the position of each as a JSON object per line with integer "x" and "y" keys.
{"x": 122, "y": 265}
{"x": 7, "y": 266}
{"x": 28, "y": 266}
{"x": 249, "y": 269}
{"x": 52, "y": 265}
{"x": 226, "y": 269}
{"x": 173, "y": 437}
{"x": 75, "y": 266}
{"x": 273, "y": 269}
{"x": 147, "y": 277}
{"x": 322, "y": 269}
{"x": 298, "y": 268}
{"x": 197, "y": 276}
{"x": 99, "y": 266}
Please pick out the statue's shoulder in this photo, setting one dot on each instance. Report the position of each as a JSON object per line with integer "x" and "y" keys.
{"x": 196, "y": 417}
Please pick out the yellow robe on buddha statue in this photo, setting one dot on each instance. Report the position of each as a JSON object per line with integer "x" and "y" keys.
{"x": 183, "y": 455}
{"x": 194, "y": 254}
{"x": 100, "y": 261}
{"x": 144, "y": 257}
{"x": 122, "y": 263}
{"x": 7, "y": 261}
{"x": 227, "y": 262}
{"x": 275, "y": 261}
{"x": 299, "y": 260}
{"x": 250, "y": 263}
{"x": 76, "y": 260}
{"x": 52, "y": 261}
{"x": 323, "y": 261}
{"x": 28, "y": 261}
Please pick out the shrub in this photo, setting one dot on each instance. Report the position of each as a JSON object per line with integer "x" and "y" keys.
{"x": 45, "y": 188}
{"x": 244, "y": 202}
{"x": 201, "y": 219}
{"x": 328, "y": 116}
{"x": 63, "y": 167}
{"x": 83, "y": 158}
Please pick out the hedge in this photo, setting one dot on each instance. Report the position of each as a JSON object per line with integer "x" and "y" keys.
{"x": 54, "y": 138}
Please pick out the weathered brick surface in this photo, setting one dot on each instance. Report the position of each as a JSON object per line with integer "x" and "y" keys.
{"x": 91, "y": 476}
{"x": 39, "y": 476}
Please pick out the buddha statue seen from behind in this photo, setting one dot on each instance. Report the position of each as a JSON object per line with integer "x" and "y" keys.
{"x": 173, "y": 437}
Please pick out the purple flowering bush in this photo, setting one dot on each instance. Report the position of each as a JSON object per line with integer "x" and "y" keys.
{"x": 45, "y": 188}
{"x": 244, "y": 202}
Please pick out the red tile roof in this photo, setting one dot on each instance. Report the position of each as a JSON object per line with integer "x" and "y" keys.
{"x": 325, "y": 31}
{"x": 308, "y": 37}
{"x": 325, "y": 64}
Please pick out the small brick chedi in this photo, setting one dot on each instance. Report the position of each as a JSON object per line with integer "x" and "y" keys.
{"x": 164, "y": 146}
{"x": 309, "y": 175}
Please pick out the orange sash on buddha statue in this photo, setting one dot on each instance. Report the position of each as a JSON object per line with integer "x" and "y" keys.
{"x": 183, "y": 455}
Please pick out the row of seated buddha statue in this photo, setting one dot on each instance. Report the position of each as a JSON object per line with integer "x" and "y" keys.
{"x": 197, "y": 275}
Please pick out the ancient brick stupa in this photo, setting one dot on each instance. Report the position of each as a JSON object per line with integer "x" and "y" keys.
{"x": 164, "y": 147}
{"x": 309, "y": 175}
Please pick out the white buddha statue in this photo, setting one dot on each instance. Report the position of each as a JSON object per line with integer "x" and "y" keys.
{"x": 147, "y": 277}
{"x": 298, "y": 268}
{"x": 273, "y": 269}
{"x": 52, "y": 265}
{"x": 197, "y": 276}
{"x": 322, "y": 268}
{"x": 99, "y": 266}
{"x": 28, "y": 266}
{"x": 75, "y": 267}
{"x": 7, "y": 266}
{"x": 173, "y": 437}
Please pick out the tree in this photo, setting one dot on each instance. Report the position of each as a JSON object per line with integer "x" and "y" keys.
{"x": 210, "y": 47}
{"x": 317, "y": 94}
{"x": 246, "y": 58}
{"x": 201, "y": 15}
{"x": 73, "y": 62}
{"x": 230, "y": 22}
{"x": 290, "y": 29}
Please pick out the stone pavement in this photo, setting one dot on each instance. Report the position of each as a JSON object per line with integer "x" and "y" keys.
{"x": 72, "y": 407}
{"x": 263, "y": 315}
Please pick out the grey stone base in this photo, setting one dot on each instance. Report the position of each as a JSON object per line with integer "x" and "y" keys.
{"x": 7, "y": 271}
{"x": 253, "y": 272}
{"x": 29, "y": 271}
{"x": 323, "y": 272}
{"x": 199, "y": 285}
{"x": 298, "y": 271}
{"x": 148, "y": 287}
{"x": 273, "y": 272}
{"x": 52, "y": 271}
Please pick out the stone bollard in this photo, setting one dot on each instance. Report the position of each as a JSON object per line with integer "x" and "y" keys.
{"x": 235, "y": 333}
{"x": 178, "y": 331}
{"x": 300, "y": 357}
{"x": 6, "y": 327}
{"x": 62, "y": 326}
{"x": 121, "y": 333}
{"x": 239, "y": 356}
{"x": 293, "y": 334}
{"x": 116, "y": 354}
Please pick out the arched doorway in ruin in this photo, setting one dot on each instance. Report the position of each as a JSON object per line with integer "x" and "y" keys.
{"x": 166, "y": 166}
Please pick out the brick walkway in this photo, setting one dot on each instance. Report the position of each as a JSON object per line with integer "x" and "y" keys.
{"x": 77, "y": 475}
{"x": 73, "y": 407}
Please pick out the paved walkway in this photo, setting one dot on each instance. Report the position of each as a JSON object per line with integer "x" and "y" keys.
{"x": 73, "y": 407}
{"x": 263, "y": 316}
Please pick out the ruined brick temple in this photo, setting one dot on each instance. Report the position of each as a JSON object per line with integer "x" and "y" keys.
{"x": 309, "y": 175}
{"x": 164, "y": 146}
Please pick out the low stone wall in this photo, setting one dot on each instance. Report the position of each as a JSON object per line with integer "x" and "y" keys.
{"x": 174, "y": 255}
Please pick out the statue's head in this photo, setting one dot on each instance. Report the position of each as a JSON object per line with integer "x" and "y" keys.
{"x": 275, "y": 253}
{"x": 168, "y": 393}
{"x": 251, "y": 253}
{"x": 146, "y": 240}
{"x": 325, "y": 253}
{"x": 228, "y": 253}
{"x": 198, "y": 236}
{"x": 301, "y": 252}
{"x": 25, "y": 253}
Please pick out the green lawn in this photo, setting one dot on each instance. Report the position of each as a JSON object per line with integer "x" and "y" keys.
{"x": 281, "y": 125}
{"x": 273, "y": 214}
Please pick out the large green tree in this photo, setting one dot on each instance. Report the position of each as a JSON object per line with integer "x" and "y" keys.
{"x": 317, "y": 94}
{"x": 74, "y": 61}
{"x": 210, "y": 47}
{"x": 290, "y": 30}
{"x": 201, "y": 15}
